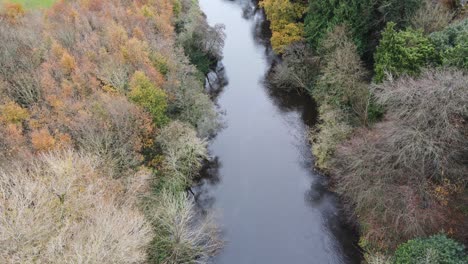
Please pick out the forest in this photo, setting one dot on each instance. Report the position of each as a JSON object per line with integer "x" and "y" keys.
{"x": 103, "y": 125}
{"x": 391, "y": 81}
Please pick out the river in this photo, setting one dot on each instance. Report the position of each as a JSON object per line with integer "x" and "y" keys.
{"x": 272, "y": 206}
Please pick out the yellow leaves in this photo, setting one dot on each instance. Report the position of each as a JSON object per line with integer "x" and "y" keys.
{"x": 277, "y": 10}
{"x": 67, "y": 62}
{"x": 288, "y": 34}
{"x": 147, "y": 12}
{"x": 57, "y": 49}
{"x": 55, "y": 101}
{"x": 115, "y": 36}
{"x": 135, "y": 51}
{"x": 446, "y": 189}
{"x": 283, "y": 16}
{"x": 110, "y": 89}
{"x": 12, "y": 113}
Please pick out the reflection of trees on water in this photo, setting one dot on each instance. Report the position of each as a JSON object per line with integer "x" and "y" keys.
{"x": 334, "y": 219}
{"x": 216, "y": 80}
{"x": 292, "y": 101}
{"x": 318, "y": 197}
{"x": 208, "y": 177}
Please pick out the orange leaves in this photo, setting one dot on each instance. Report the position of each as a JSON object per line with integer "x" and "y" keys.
{"x": 89, "y": 47}
{"x": 68, "y": 63}
{"x": 42, "y": 140}
{"x": 13, "y": 11}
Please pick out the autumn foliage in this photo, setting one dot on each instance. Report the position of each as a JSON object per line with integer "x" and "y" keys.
{"x": 85, "y": 89}
{"x": 284, "y": 16}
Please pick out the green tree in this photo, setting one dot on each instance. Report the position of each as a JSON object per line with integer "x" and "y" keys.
{"x": 452, "y": 44}
{"x": 402, "y": 52}
{"x": 437, "y": 249}
{"x": 152, "y": 99}
{"x": 323, "y": 16}
{"x": 365, "y": 18}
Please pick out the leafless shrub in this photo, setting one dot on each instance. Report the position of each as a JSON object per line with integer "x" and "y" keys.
{"x": 377, "y": 259}
{"x": 115, "y": 73}
{"x": 60, "y": 209}
{"x": 20, "y": 56}
{"x": 197, "y": 32}
{"x": 391, "y": 174}
{"x": 184, "y": 236}
{"x": 432, "y": 16}
{"x": 297, "y": 70}
{"x": 190, "y": 104}
{"x": 331, "y": 131}
{"x": 343, "y": 77}
{"x": 115, "y": 130}
{"x": 431, "y": 113}
{"x": 183, "y": 150}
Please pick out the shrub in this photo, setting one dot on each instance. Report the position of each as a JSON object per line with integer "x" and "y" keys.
{"x": 184, "y": 236}
{"x": 189, "y": 101}
{"x": 377, "y": 259}
{"x": 13, "y": 11}
{"x": 13, "y": 143}
{"x": 20, "y": 57}
{"x": 13, "y": 113}
{"x": 297, "y": 70}
{"x": 432, "y": 110}
{"x": 60, "y": 209}
{"x": 115, "y": 130}
{"x": 183, "y": 151}
{"x": 435, "y": 249}
{"x": 42, "y": 140}
{"x": 343, "y": 77}
{"x": 332, "y": 130}
{"x": 202, "y": 44}
{"x": 151, "y": 98}
{"x": 451, "y": 44}
{"x": 323, "y": 16}
{"x": 402, "y": 52}
{"x": 432, "y": 16}
{"x": 390, "y": 174}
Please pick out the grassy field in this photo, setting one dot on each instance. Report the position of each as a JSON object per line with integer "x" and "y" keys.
{"x": 31, "y": 3}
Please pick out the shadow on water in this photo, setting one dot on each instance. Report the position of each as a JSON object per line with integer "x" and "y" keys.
{"x": 326, "y": 237}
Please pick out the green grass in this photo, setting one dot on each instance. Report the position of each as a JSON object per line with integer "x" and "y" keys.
{"x": 31, "y": 4}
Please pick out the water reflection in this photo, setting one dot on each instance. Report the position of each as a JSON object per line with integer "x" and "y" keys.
{"x": 275, "y": 208}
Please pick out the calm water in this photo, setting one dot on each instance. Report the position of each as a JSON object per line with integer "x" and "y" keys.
{"x": 273, "y": 207}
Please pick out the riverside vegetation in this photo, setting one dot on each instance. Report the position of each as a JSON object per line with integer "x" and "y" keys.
{"x": 103, "y": 121}
{"x": 391, "y": 80}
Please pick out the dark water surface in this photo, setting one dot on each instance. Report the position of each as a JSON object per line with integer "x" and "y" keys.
{"x": 273, "y": 207}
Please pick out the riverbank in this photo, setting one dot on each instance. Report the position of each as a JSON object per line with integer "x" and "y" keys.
{"x": 103, "y": 120}
{"x": 394, "y": 157}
